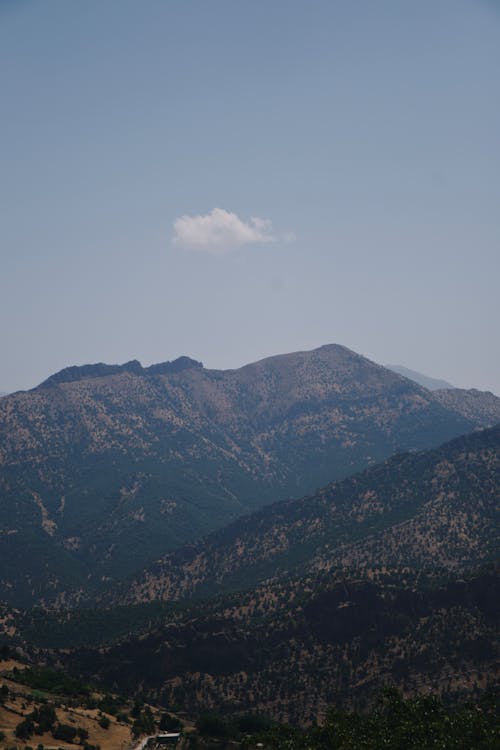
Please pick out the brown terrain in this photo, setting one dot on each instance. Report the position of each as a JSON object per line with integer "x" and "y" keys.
{"x": 21, "y": 702}
{"x": 105, "y": 468}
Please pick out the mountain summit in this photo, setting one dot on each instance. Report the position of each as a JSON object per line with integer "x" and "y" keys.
{"x": 105, "y": 468}
{"x": 100, "y": 370}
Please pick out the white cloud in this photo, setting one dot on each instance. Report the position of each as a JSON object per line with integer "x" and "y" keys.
{"x": 221, "y": 231}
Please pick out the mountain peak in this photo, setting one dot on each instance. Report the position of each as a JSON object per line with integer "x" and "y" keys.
{"x": 100, "y": 370}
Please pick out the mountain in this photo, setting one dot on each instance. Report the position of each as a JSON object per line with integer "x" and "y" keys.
{"x": 86, "y": 372}
{"x": 104, "y": 468}
{"x": 290, "y": 649}
{"x": 482, "y": 407}
{"x": 429, "y": 511}
{"x": 386, "y": 577}
{"x": 432, "y": 384}
{"x": 383, "y": 578}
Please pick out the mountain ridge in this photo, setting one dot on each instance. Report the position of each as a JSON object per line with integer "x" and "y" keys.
{"x": 103, "y": 474}
{"x": 426, "y": 381}
{"x": 75, "y": 373}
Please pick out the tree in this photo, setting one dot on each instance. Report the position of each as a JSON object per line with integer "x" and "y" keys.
{"x": 64, "y": 732}
{"x": 25, "y": 729}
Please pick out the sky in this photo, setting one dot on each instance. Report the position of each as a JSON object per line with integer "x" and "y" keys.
{"x": 232, "y": 179}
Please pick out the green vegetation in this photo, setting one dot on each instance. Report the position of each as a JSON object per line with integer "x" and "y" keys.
{"x": 51, "y": 681}
{"x": 64, "y": 732}
{"x": 421, "y": 723}
{"x": 144, "y": 722}
{"x": 291, "y": 645}
{"x": 90, "y": 627}
{"x": 45, "y": 717}
{"x": 25, "y": 729}
{"x": 169, "y": 723}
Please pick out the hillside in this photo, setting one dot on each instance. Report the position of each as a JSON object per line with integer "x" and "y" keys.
{"x": 290, "y": 649}
{"x": 432, "y": 510}
{"x": 105, "y": 468}
{"x": 387, "y": 577}
{"x": 54, "y": 710}
{"x": 482, "y": 407}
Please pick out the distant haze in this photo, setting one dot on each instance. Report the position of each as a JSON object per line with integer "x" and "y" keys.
{"x": 230, "y": 181}
{"x": 433, "y": 384}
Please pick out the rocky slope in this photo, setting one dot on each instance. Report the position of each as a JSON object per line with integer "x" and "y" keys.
{"x": 105, "y": 468}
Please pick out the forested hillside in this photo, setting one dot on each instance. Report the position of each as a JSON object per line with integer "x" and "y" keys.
{"x": 105, "y": 468}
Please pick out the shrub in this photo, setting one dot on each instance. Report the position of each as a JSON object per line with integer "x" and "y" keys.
{"x": 25, "y": 729}
{"x": 45, "y": 717}
{"x": 64, "y": 732}
{"x": 170, "y": 723}
{"x": 209, "y": 725}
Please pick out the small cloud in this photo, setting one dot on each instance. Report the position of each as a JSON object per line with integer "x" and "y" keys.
{"x": 221, "y": 231}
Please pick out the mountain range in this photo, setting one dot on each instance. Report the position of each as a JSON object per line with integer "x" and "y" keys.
{"x": 385, "y": 577}
{"x": 277, "y": 538}
{"x": 432, "y": 511}
{"x": 104, "y": 468}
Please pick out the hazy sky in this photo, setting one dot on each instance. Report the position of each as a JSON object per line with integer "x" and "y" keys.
{"x": 234, "y": 179}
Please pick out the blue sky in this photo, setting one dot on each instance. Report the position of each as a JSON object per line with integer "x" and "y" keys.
{"x": 351, "y": 150}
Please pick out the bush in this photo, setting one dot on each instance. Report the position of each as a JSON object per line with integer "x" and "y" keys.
{"x": 104, "y": 722}
{"x": 252, "y": 724}
{"x": 64, "y": 732}
{"x": 209, "y": 725}
{"x": 45, "y": 717}
{"x": 144, "y": 723}
{"x": 109, "y": 705}
{"x": 25, "y": 729}
{"x": 170, "y": 723}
